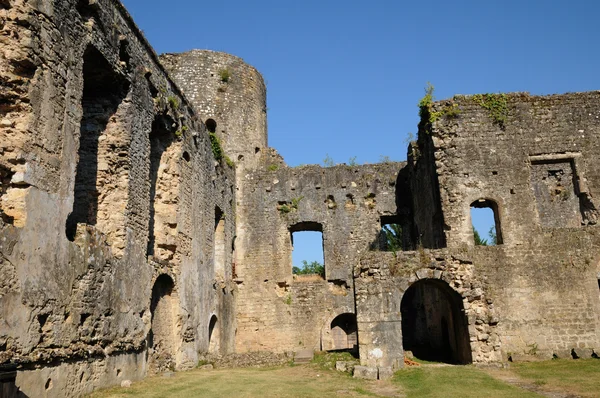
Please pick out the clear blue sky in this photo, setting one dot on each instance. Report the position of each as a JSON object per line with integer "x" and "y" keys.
{"x": 344, "y": 77}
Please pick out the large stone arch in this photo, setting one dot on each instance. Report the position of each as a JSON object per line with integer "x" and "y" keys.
{"x": 434, "y": 324}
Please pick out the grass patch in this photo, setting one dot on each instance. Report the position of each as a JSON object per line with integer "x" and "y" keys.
{"x": 575, "y": 376}
{"x": 578, "y": 377}
{"x": 225, "y": 75}
{"x": 282, "y": 382}
{"x": 454, "y": 381}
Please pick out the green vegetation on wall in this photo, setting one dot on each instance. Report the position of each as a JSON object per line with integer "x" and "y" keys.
{"x": 496, "y": 104}
{"x": 286, "y": 207}
{"x": 217, "y": 150}
{"x": 428, "y": 116}
{"x": 224, "y": 74}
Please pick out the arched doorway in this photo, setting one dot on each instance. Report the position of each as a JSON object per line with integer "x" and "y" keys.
{"x": 161, "y": 339}
{"x": 434, "y": 326}
{"x": 213, "y": 335}
{"x": 344, "y": 333}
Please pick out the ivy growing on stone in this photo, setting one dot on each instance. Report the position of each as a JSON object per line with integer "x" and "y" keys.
{"x": 496, "y": 104}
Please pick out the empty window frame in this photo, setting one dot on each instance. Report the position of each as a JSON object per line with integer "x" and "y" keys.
{"x": 307, "y": 249}
{"x": 392, "y": 237}
{"x": 485, "y": 221}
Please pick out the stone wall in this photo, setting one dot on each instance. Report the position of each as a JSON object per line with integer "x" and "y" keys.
{"x": 535, "y": 294}
{"x": 99, "y": 153}
{"x": 476, "y": 157}
{"x": 281, "y": 312}
{"x": 532, "y": 159}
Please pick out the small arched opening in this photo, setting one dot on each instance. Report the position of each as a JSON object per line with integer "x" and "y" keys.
{"x": 434, "y": 325}
{"x": 211, "y": 125}
{"x": 344, "y": 333}
{"x": 161, "y": 339}
{"x": 213, "y": 335}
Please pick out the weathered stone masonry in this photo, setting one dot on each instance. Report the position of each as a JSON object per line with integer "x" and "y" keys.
{"x": 100, "y": 153}
{"x": 129, "y": 245}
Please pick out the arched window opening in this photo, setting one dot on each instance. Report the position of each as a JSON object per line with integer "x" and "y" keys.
{"x": 213, "y": 335}
{"x": 485, "y": 221}
{"x": 219, "y": 244}
{"x": 344, "y": 333}
{"x": 434, "y": 326}
{"x": 211, "y": 125}
{"x": 161, "y": 339}
{"x": 164, "y": 175}
{"x": 101, "y": 176}
{"x": 308, "y": 258}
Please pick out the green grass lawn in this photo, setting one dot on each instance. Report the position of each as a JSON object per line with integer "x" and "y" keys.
{"x": 291, "y": 381}
{"x": 454, "y": 381}
{"x": 581, "y": 377}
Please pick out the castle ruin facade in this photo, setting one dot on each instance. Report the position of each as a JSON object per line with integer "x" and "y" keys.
{"x": 144, "y": 221}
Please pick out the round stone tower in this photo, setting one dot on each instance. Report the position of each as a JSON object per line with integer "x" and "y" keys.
{"x": 229, "y": 95}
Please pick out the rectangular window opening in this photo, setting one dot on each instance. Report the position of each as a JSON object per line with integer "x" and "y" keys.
{"x": 308, "y": 261}
{"x": 393, "y": 235}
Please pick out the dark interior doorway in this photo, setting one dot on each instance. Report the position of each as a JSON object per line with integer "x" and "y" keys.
{"x": 434, "y": 325}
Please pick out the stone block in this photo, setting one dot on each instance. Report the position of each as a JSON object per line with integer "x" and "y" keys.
{"x": 304, "y": 356}
{"x": 345, "y": 366}
{"x": 563, "y": 353}
{"x": 386, "y": 373}
{"x": 365, "y": 372}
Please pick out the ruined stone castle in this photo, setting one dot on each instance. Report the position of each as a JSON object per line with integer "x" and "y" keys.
{"x": 144, "y": 221}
